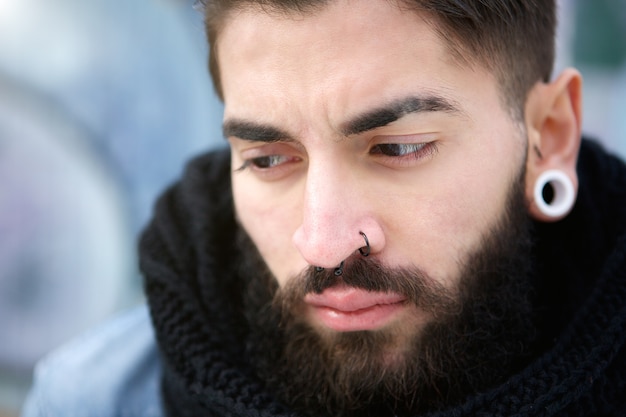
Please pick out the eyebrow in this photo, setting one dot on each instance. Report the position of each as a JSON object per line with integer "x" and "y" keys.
{"x": 370, "y": 120}
{"x": 397, "y": 109}
{"x": 256, "y": 132}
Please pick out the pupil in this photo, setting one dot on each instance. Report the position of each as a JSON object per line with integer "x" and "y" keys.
{"x": 392, "y": 150}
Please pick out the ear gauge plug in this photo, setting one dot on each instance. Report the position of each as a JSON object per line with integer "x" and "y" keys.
{"x": 563, "y": 197}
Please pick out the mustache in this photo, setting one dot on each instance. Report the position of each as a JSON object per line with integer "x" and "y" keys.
{"x": 370, "y": 275}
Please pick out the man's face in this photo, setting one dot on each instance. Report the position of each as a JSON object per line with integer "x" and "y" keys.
{"x": 358, "y": 119}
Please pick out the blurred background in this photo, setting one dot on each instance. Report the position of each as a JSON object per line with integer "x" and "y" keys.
{"x": 101, "y": 103}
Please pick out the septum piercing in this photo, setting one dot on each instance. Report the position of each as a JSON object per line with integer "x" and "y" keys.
{"x": 339, "y": 269}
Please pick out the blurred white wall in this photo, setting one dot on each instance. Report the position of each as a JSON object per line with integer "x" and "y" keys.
{"x": 101, "y": 103}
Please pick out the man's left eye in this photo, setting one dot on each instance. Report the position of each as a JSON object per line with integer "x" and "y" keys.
{"x": 398, "y": 149}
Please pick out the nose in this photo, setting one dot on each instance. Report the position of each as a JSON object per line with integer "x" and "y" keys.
{"x": 336, "y": 213}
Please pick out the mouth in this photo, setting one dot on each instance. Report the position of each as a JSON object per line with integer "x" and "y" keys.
{"x": 347, "y": 309}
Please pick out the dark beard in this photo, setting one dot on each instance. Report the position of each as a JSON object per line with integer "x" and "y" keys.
{"x": 480, "y": 333}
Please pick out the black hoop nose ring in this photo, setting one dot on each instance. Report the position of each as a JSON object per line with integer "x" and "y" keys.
{"x": 365, "y": 250}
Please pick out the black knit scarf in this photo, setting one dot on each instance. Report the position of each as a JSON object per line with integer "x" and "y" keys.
{"x": 190, "y": 266}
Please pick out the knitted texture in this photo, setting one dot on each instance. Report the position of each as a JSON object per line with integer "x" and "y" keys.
{"x": 188, "y": 261}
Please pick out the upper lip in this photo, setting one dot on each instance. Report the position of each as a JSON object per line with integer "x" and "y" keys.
{"x": 348, "y": 299}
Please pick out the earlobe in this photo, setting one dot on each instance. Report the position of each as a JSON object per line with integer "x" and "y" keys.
{"x": 553, "y": 122}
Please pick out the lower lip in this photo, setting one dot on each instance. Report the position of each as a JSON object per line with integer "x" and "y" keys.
{"x": 370, "y": 318}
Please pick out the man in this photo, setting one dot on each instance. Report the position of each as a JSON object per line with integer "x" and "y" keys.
{"x": 403, "y": 224}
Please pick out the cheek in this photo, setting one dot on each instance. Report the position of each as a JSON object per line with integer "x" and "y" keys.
{"x": 455, "y": 207}
{"x": 437, "y": 236}
{"x": 270, "y": 221}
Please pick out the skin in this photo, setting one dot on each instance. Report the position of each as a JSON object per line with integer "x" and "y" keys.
{"x": 307, "y": 180}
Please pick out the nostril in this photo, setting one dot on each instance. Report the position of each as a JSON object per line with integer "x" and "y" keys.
{"x": 325, "y": 241}
{"x": 318, "y": 248}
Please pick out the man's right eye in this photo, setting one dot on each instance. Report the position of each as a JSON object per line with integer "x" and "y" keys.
{"x": 264, "y": 162}
{"x": 268, "y": 164}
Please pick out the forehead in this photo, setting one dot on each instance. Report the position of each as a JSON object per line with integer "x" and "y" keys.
{"x": 325, "y": 18}
{"x": 342, "y": 28}
{"x": 346, "y": 52}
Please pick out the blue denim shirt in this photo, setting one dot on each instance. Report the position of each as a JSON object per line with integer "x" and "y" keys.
{"x": 111, "y": 371}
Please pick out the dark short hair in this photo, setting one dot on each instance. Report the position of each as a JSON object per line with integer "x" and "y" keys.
{"x": 514, "y": 39}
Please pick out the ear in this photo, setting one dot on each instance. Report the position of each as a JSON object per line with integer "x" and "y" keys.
{"x": 553, "y": 122}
